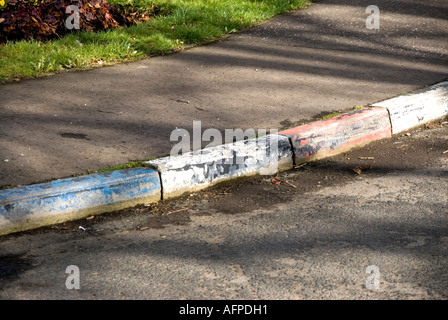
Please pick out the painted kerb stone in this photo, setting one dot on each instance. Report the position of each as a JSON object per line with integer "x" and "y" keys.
{"x": 196, "y": 170}
{"x": 341, "y": 133}
{"x": 417, "y": 108}
{"x": 68, "y": 199}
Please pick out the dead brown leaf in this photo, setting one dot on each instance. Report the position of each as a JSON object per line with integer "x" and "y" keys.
{"x": 359, "y": 170}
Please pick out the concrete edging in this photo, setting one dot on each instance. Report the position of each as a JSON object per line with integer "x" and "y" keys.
{"x": 193, "y": 171}
{"x": 33, "y": 206}
{"x": 417, "y": 108}
{"x": 329, "y": 137}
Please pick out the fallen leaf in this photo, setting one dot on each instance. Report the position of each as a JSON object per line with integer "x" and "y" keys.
{"x": 358, "y": 170}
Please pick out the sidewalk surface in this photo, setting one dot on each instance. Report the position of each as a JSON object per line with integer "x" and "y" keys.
{"x": 296, "y": 67}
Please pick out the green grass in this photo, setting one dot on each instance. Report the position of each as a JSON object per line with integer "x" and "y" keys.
{"x": 130, "y": 164}
{"x": 180, "y": 23}
{"x": 328, "y": 116}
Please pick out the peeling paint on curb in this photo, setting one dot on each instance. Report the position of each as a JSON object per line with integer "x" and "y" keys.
{"x": 197, "y": 170}
{"x": 62, "y": 200}
{"x": 417, "y": 108}
{"x": 329, "y": 137}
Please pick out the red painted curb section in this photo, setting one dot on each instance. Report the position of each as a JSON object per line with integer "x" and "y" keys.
{"x": 329, "y": 137}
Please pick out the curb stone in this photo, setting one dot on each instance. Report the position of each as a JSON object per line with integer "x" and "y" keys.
{"x": 417, "y": 108}
{"x": 193, "y": 171}
{"x": 329, "y": 137}
{"x": 33, "y": 206}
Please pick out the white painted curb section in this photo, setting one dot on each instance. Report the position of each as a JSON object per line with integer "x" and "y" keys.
{"x": 197, "y": 170}
{"x": 417, "y": 108}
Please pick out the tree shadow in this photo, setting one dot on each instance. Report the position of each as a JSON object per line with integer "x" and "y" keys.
{"x": 290, "y": 68}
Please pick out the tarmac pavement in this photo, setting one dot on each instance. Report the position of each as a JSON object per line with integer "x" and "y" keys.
{"x": 293, "y": 68}
{"x": 384, "y": 206}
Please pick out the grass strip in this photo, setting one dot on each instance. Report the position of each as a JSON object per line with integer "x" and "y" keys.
{"x": 178, "y": 23}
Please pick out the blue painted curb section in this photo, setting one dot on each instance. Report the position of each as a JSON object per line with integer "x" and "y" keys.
{"x": 32, "y": 206}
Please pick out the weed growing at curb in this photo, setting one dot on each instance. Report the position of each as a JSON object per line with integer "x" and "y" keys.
{"x": 129, "y": 165}
{"x": 331, "y": 115}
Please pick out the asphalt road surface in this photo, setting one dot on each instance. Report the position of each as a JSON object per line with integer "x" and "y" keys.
{"x": 293, "y": 68}
{"x": 325, "y": 230}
